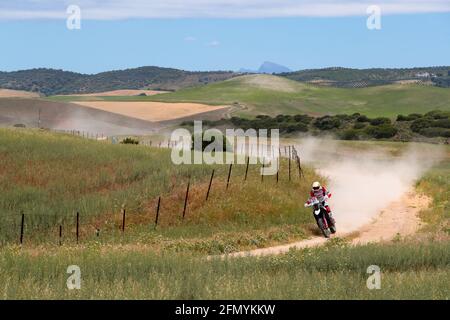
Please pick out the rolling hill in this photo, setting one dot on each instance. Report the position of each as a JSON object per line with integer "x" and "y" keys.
{"x": 51, "y": 81}
{"x": 349, "y": 78}
{"x": 69, "y": 116}
{"x": 272, "y": 95}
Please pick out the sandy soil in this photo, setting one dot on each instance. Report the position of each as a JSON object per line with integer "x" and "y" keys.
{"x": 115, "y": 93}
{"x": 7, "y": 93}
{"x": 399, "y": 218}
{"x": 151, "y": 111}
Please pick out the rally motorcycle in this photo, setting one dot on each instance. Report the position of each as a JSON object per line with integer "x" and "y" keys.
{"x": 325, "y": 223}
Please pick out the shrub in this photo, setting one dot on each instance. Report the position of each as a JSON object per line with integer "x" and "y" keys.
{"x": 438, "y": 114}
{"x": 362, "y": 118}
{"x": 129, "y": 140}
{"x": 280, "y": 118}
{"x": 380, "y": 121}
{"x": 383, "y": 131}
{"x": 410, "y": 117}
{"x": 350, "y": 134}
{"x": 435, "y": 132}
{"x": 420, "y": 124}
{"x": 303, "y": 118}
{"x": 327, "y": 123}
{"x": 359, "y": 125}
{"x": 343, "y": 117}
{"x": 414, "y": 116}
{"x": 206, "y": 142}
{"x": 20, "y": 125}
{"x": 297, "y": 127}
{"x": 441, "y": 123}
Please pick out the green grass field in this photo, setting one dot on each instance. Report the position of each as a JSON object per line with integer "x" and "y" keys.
{"x": 408, "y": 271}
{"x": 49, "y": 176}
{"x": 272, "y": 95}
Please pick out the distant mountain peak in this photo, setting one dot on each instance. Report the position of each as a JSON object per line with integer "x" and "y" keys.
{"x": 272, "y": 67}
{"x": 268, "y": 68}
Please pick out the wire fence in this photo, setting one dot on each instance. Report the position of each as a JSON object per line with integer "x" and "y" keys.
{"x": 23, "y": 227}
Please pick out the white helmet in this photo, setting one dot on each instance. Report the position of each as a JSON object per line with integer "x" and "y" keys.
{"x": 316, "y": 185}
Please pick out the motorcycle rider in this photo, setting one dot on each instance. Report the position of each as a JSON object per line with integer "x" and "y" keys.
{"x": 322, "y": 195}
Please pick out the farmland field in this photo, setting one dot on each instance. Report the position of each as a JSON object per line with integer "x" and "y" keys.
{"x": 272, "y": 95}
{"x": 151, "y": 111}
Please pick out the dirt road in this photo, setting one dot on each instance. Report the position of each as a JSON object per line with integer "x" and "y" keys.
{"x": 399, "y": 218}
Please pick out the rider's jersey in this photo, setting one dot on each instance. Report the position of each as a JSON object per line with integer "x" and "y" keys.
{"x": 320, "y": 194}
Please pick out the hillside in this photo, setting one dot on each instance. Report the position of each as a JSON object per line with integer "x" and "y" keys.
{"x": 349, "y": 78}
{"x": 51, "y": 82}
{"x": 68, "y": 116}
{"x": 273, "y": 95}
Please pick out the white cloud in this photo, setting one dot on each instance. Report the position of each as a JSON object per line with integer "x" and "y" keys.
{"x": 124, "y": 9}
{"x": 190, "y": 39}
{"x": 214, "y": 43}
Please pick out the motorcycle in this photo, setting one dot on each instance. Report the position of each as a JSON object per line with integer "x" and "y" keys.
{"x": 325, "y": 223}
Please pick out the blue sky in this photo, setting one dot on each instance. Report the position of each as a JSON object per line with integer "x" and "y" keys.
{"x": 34, "y": 34}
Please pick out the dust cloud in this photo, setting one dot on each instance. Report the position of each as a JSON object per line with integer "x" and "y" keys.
{"x": 364, "y": 181}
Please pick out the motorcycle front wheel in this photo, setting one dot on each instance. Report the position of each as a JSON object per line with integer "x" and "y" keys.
{"x": 326, "y": 232}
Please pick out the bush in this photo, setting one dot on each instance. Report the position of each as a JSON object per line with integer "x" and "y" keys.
{"x": 438, "y": 114}
{"x": 435, "y": 132}
{"x": 19, "y": 125}
{"x": 363, "y": 118}
{"x": 359, "y": 125}
{"x": 380, "y": 121}
{"x": 226, "y": 144}
{"x": 410, "y": 117}
{"x": 420, "y": 124}
{"x": 343, "y": 117}
{"x": 303, "y": 118}
{"x": 383, "y": 131}
{"x": 297, "y": 127}
{"x": 350, "y": 134}
{"x": 327, "y": 123}
{"x": 129, "y": 141}
{"x": 441, "y": 123}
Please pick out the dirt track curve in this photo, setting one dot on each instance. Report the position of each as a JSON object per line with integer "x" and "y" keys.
{"x": 398, "y": 218}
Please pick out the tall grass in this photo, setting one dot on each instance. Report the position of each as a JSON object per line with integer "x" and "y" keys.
{"x": 333, "y": 272}
{"x": 49, "y": 177}
{"x": 436, "y": 184}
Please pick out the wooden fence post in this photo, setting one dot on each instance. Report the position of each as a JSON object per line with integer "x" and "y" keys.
{"x": 289, "y": 160}
{"x": 300, "y": 171}
{"x": 262, "y": 171}
{"x": 157, "y": 211}
{"x": 246, "y": 169}
{"x": 123, "y": 221}
{"x": 209, "y": 187}
{"x": 60, "y": 234}
{"x": 229, "y": 175}
{"x": 22, "y": 228}
{"x": 186, "y": 198}
{"x": 78, "y": 226}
